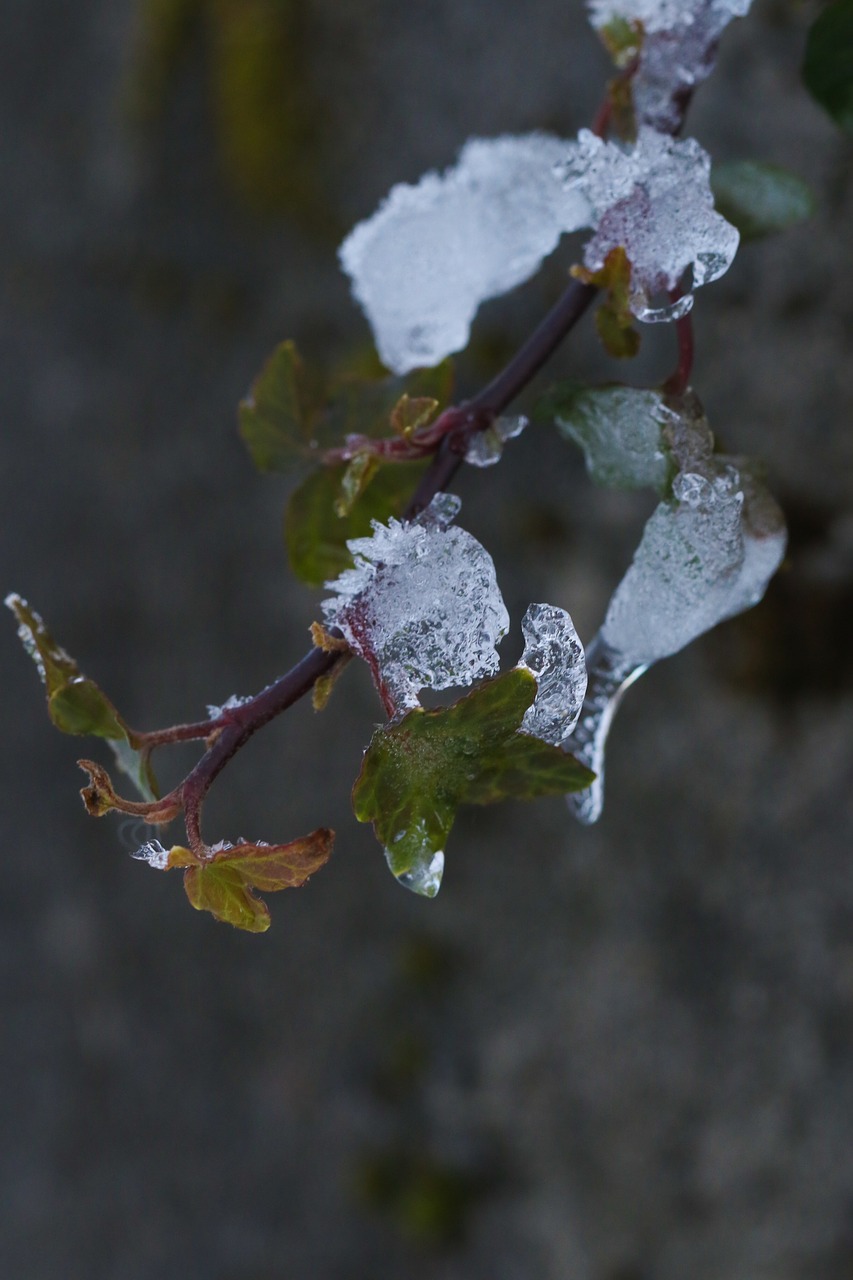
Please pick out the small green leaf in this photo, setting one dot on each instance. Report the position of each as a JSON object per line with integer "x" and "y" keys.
{"x": 828, "y": 64}
{"x": 277, "y": 418}
{"x": 355, "y": 480}
{"x": 614, "y": 319}
{"x": 760, "y": 198}
{"x": 417, "y": 772}
{"x": 619, "y": 430}
{"x": 77, "y": 705}
{"x": 622, "y": 40}
{"x": 412, "y": 412}
{"x": 316, "y": 535}
{"x": 223, "y": 884}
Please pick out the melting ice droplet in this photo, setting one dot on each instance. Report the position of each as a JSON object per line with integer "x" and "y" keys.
{"x": 422, "y": 605}
{"x": 554, "y": 655}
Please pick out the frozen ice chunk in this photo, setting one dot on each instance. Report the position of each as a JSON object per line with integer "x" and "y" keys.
{"x": 706, "y": 554}
{"x": 554, "y": 655}
{"x": 230, "y": 704}
{"x": 425, "y": 878}
{"x": 434, "y": 251}
{"x": 154, "y": 854}
{"x": 422, "y": 605}
{"x": 655, "y": 200}
{"x": 677, "y": 49}
{"x": 486, "y": 447}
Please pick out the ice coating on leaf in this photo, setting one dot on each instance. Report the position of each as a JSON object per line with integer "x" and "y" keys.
{"x": 554, "y": 656}
{"x": 486, "y": 447}
{"x": 655, "y": 200}
{"x": 434, "y": 251}
{"x": 677, "y": 51}
{"x": 619, "y": 430}
{"x": 154, "y": 854}
{"x": 422, "y": 605}
{"x": 706, "y": 554}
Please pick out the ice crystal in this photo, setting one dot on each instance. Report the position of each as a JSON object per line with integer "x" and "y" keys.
{"x": 554, "y": 655}
{"x": 422, "y": 605}
{"x": 486, "y": 447}
{"x": 154, "y": 854}
{"x": 425, "y": 878}
{"x": 236, "y": 700}
{"x": 433, "y": 252}
{"x": 677, "y": 50}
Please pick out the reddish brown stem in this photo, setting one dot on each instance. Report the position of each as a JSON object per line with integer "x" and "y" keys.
{"x": 679, "y": 380}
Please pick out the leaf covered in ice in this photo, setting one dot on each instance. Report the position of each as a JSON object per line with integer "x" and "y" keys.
{"x": 433, "y": 252}
{"x": 75, "y": 703}
{"x": 422, "y": 606}
{"x": 224, "y": 883}
{"x": 707, "y": 553}
{"x": 417, "y": 771}
{"x": 675, "y": 44}
{"x": 618, "y": 428}
{"x": 760, "y": 199}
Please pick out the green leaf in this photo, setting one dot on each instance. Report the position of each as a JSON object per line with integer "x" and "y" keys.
{"x": 290, "y": 415}
{"x": 760, "y": 198}
{"x": 619, "y": 430}
{"x": 417, "y": 772}
{"x": 622, "y": 40}
{"x": 278, "y": 416}
{"x": 355, "y": 480}
{"x": 828, "y": 64}
{"x": 614, "y": 319}
{"x": 224, "y": 883}
{"x": 77, "y": 705}
{"x": 316, "y": 535}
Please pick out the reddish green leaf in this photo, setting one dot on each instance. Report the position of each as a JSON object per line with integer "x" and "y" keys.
{"x": 224, "y": 883}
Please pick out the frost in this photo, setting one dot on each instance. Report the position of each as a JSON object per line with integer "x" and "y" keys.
{"x": 214, "y": 712}
{"x": 677, "y": 52}
{"x": 486, "y": 447}
{"x": 554, "y": 656}
{"x": 422, "y": 605}
{"x": 433, "y": 252}
{"x": 706, "y": 554}
{"x": 154, "y": 854}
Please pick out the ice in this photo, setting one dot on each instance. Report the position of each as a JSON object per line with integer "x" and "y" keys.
{"x": 422, "y": 605}
{"x": 655, "y": 200}
{"x": 677, "y": 52}
{"x": 214, "y": 712}
{"x": 554, "y": 655}
{"x": 424, "y": 879}
{"x": 154, "y": 854}
{"x": 620, "y": 431}
{"x": 433, "y": 252}
{"x": 706, "y": 554}
{"x": 486, "y": 447}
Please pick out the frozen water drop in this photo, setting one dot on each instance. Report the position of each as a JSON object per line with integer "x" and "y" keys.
{"x": 425, "y": 879}
{"x": 154, "y": 854}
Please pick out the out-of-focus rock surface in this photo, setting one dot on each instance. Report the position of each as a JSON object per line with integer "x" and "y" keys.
{"x": 621, "y": 1053}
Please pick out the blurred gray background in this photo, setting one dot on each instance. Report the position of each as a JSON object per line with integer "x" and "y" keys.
{"x": 621, "y": 1053}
